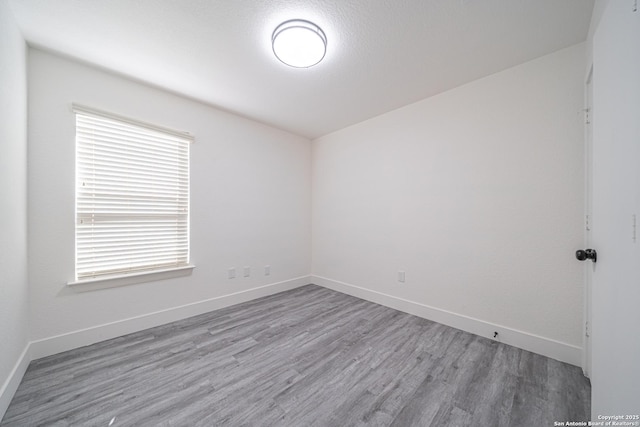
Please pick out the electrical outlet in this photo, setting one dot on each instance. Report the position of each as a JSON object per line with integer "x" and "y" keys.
{"x": 232, "y": 273}
{"x": 267, "y": 270}
{"x": 247, "y": 271}
{"x": 401, "y": 276}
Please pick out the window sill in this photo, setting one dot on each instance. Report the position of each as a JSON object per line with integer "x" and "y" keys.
{"x": 129, "y": 279}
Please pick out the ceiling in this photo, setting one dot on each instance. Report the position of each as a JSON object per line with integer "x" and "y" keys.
{"x": 381, "y": 54}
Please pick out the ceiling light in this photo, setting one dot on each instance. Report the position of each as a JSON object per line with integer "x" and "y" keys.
{"x": 299, "y": 43}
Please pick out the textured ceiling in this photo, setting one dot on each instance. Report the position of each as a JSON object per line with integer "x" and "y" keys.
{"x": 381, "y": 55}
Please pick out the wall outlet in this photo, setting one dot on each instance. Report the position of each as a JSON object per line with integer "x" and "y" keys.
{"x": 232, "y": 273}
{"x": 401, "y": 276}
{"x": 247, "y": 271}
{"x": 267, "y": 270}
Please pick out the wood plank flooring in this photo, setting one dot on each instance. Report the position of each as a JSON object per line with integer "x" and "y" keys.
{"x": 305, "y": 357}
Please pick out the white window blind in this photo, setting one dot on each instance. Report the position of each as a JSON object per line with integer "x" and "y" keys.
{"x": 132, "y": 196}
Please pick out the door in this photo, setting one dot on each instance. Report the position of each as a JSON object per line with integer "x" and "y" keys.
{"x": 615, "y": 302}
{"x": 589, "y": 267}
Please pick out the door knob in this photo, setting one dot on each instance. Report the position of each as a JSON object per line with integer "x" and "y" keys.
{"x": 587, "y": 254}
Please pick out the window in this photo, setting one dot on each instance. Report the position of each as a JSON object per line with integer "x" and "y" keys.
{"x": 132, "y": 197}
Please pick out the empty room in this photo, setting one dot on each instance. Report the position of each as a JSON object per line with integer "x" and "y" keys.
{"x": 319, "y": 213}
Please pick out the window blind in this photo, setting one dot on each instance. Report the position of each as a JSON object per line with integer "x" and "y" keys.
{"x": 132, "y": 196}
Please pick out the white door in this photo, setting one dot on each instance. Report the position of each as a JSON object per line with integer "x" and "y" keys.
{"x": 615, "y": 331}
{"x": 589, "y": 267}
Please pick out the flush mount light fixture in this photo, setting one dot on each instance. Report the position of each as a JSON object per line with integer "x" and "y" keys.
{"x": 299, "y": 43}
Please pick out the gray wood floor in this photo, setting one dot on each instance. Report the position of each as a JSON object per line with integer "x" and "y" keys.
{"x": 305, "y": 357}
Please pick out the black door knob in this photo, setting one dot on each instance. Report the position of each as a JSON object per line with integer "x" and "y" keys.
{"x": 591, "y": 254}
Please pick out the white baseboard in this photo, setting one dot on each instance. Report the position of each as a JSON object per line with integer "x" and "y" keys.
{"x": 547, "y": 347}
{"x": 57, "y": 344}
{"x": 13, "y": 381}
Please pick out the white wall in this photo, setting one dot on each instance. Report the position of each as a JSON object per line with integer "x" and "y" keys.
{"x": 477, "y": 193}
{"x": 615, "y": 338}
{"x": 13, "y": 196}
{"x": 250, "y": 203}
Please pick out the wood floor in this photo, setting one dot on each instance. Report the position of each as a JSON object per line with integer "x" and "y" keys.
{"x": 305, "y": 357}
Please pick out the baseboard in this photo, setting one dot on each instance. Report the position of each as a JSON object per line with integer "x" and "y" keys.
{"x": 13, "y": 381}
{"x": 57, "y": 344}
{"x": 544, "y": 346}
